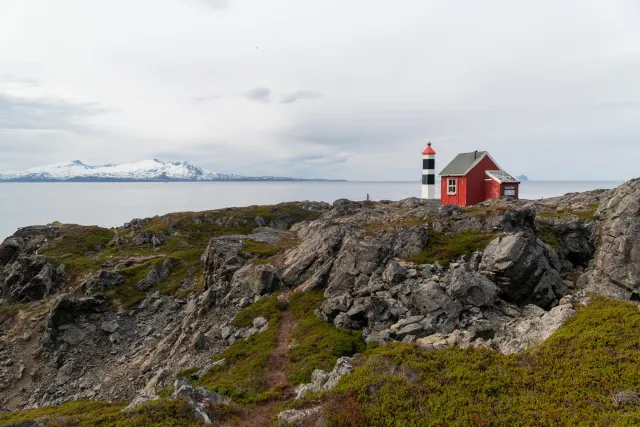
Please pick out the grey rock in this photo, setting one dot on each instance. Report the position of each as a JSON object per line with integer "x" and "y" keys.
{"x": 299, "y": 417}
{"x": 616, "y": 267}
{"x": 198, "y": 398}
{"x": 525, "y": 269}
{"x": 394, "y": 273}
{"x": 101, "y": 282}
{"x": 138, "y": 401}
{"x": 110, "y": 326}
{"x": 157, "y": 273}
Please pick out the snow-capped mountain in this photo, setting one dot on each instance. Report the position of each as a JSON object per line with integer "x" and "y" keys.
{"x": 146, "y": 170}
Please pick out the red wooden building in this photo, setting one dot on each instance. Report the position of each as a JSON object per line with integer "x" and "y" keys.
{"x": 473, "y": 178}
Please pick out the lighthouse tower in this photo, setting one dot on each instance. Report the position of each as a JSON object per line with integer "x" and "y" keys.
{"x": 429, "y": 173}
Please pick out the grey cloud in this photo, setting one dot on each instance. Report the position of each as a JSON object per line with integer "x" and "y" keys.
{"x": 258, "y": 94}
{"x": 302, "y": 94}
{"x": 205, "y": 98}
{"x": 19, "y": 113}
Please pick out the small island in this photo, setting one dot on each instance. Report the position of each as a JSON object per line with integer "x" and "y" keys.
{"x": 522, "y": 178}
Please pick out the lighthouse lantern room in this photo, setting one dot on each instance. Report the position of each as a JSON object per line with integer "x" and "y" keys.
{"x": 429, "y": 173}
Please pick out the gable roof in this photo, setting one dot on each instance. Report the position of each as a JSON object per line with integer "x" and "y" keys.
{"x": 502, "y": 177}
{"x": 463, "y": 163}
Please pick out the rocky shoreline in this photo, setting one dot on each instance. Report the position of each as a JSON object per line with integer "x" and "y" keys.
{"x": 115, "y": 314}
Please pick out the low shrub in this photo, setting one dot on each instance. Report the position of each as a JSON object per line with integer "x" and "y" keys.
{"x": 570, "y": 379}
{"x": 317, "y": 344}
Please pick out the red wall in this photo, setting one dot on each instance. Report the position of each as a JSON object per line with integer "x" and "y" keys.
{"x": 471, "y": 188}
{"x": 492, "y": 189}
{"x": 460, "y": 198}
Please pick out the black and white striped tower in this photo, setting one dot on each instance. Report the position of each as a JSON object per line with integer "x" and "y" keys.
{"x": 429, "y": 173}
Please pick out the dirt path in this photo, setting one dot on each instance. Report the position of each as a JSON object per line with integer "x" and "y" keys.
{"x": 276, "y": 366}
{"x": 262, "y": 414}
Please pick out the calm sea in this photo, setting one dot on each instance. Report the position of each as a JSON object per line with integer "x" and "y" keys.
{"x": 111, "y": 204}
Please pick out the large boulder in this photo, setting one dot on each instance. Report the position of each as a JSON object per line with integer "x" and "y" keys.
{"x": 616, "y": 268}
{"x": 30, "y": 278}
{"x": 101, "y": 282}
{"x": 525, "y": 269}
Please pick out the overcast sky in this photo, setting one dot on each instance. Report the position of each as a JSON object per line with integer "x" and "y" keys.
{"x": 335, "y": 89}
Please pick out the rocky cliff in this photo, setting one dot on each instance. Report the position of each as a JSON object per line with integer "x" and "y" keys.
{"x": 118, "y": 314}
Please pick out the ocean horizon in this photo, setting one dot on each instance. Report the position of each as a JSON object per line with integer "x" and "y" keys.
{"x": 110, "y": 204}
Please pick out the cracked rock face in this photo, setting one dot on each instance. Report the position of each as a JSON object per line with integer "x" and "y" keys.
{"x": 616, "y": 267}
{"x": 525, "y": 269}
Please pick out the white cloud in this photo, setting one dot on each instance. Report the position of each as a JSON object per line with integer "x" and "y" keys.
{"x": 535, "y": 83}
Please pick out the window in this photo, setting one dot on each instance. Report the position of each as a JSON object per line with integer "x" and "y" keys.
{"x": 428, "y": 164}
{"x": 452, "y": 186}
{"x": 428, "y": 179}
{"x": 509, "y": 191}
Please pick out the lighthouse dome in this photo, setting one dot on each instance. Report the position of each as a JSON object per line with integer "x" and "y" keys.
{"x": 429, "y": 150}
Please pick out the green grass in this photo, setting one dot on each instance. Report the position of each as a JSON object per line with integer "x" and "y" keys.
{"x": 445, "y": 248}
{"x": 316, "y": 343}
{"x": 241, "y": 377}
{"x": 568, "y": 380}
{"x": 86, "y": 413}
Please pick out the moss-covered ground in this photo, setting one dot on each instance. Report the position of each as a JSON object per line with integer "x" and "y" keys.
{"x": 317, "y": 344}
{"x": 241, "y": 376}
{"x": 571, "y": 379}
{"x": 86, "y": 413}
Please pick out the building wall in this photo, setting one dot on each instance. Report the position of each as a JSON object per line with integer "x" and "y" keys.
{"x": 492, "y": 189}
{"x": 460, "y": 197}
{"x": 517, "y": 188}
{"x": 472, "y": 188}
{"x": 476, "y": 181}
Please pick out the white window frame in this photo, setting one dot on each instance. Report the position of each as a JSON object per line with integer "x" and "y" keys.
{"x": 511, "y": 189}
{"x": 452, "y": 186}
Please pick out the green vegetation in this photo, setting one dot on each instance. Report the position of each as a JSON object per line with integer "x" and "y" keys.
{"x": 78, "y": 248}
{"x": 84, "y": 250}
{"x": 127, "y": 295}
{"x": 241, "y": 377}
{"x": 548, "y": 234}
{"x": 9, "y": 311}
{"x": 316, "y": 343}
{"x": 265, "y": 252}
{"x": 571, "y": 379}
{"x": 445, "y": 248}
{"x": 86, "y": 413}
{"x": 584, "y": 215}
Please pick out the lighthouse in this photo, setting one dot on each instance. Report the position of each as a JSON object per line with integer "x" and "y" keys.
{"x": 429, "y": 173}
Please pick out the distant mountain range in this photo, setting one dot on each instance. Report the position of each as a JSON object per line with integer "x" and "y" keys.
{"x": 146, "y": 170}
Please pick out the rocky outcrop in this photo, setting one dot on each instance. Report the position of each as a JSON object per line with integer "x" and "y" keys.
{"x": 525, "y": 269}
{"x": 616, "y": 266}
{"x": 199, "y": 399}
{"x": 157, "y": 273}
{"x": 101, "y": 282}
{"x": 29, "y": 277}
{"x": 323, "y": 381}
